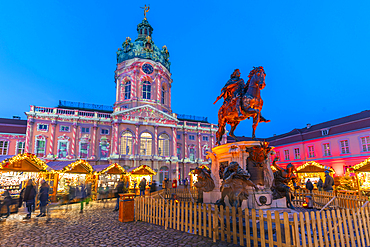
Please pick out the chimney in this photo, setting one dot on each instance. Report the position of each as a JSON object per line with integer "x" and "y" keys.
{"x": 17, "y": 117}
{"x": 308, "y": 126}
{"x": 274, "y": 134}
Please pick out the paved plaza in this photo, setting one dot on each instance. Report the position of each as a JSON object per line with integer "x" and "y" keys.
{"x": 97, "y": 226}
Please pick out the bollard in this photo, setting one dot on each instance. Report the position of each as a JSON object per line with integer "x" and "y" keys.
{"x": 126, "y": 207}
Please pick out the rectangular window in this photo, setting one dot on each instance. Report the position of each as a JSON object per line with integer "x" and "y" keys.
{"x": 62, "y": 149}
{"x": 42, "y": 127}
{"x": 40, "y": 148}
{"x": 205, "y": 138}
{"x": 85, "y": 130}
{"x": 286, "y": 155}
{"x": 104, "y": 131}
{"x": 4, "y": 145}
{"x": 179, "y": 153}
{"x": 20, "y": 147}
{"x": 327, "y": 149}
{"x": 297, "y": 154}
{"x": 311, "y": 152}
{"x": 277, "y": 155}
{"x": 191, "y": 137}
{"x": 365, "y": 142}
{"x": 192, "y": 154}
{"x": 84, "y": 150}
{"x": 344, "y": 147}
{"x": 178, "y": 137}
{"x": 64, "y": 128}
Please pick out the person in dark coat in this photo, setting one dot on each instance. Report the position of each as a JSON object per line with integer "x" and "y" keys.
{"x": 119, "y": 190}
{"x": 142, "y": 186}
{"x": 153, "y": 186}
{"x": 320, "y": 184}
{"x": 7, "y": 201}
{"x": 29, "y": 197}
{"x": 44, "y": 198}
{"x": 309, "y": 185}
{"x": 329, "y": 182}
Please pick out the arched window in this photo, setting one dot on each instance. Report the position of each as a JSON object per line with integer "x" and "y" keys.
{"x": 126, "y": 143}
{"x": 127, "y": 90}
{"x": 192, "y": 153}
{"x": 146, "y": 144}
{"x": 179, "y": 151}
{"x": 104, "y": 148}
{"x": 146, "y": 90}
{"x": 164, "y": 145}
{"x": 84, "y": 148}
{"x": 205, "y": 150}
{"x": 145, "y": 31}
{"x": 163, "y": 173}
{"x": 40, "y": 146}
{"x": 163, "y": 95}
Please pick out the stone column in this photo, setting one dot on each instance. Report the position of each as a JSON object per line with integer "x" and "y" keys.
{"x": 136, "y": 145}
{"x": 28, "y": 145}
{"x": 186, "y": 145}
{"x": 115, "y": 139}
{"x": 156, "y": 152}
{"x": 174, "y": 144}
{"x": 51, "y": 143}
{"x": 199, "y": 147}
{"x": 95, "y": 127}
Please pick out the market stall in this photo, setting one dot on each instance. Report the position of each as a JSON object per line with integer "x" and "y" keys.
{"x": 16, "y": 170}
{"x": 109, "y": 175}
{"x": 136, "y": 174}
{"x": 66, "y": 174}
{"x": 313, "y": 171}
{"x": 362, "y": 170}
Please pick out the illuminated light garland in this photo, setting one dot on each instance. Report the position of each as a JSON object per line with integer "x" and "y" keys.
{"x": 145, "y": 167}
{"x": 313, "y": 163}
{"x": 71, "y": 166}
{"x": 362, "y": 164}
{"x": 112, "y": 166}
{"x": 19, "y": 157}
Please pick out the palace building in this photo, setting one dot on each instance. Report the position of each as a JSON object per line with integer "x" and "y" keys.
{"x": 140, "y": 128}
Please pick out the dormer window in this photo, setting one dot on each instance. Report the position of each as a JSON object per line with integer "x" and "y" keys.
{"x": 325, "y": 132}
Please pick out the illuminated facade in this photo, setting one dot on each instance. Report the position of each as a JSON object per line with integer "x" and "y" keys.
{"x": 140, "y": 128}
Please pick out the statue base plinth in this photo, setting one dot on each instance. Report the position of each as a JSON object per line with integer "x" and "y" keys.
{"x": 212, "y": 196}
{"x": 279, "y": 203}
{"x": 260, "y": 200}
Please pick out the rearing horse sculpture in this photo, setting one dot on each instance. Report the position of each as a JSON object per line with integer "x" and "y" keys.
{"x": 251, "y": 106}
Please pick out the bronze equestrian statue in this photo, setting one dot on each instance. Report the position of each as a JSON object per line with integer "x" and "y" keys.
{"x": 235, "y": 185}
{"x": 282, "y": 177}
{"x": 241, "y": 101}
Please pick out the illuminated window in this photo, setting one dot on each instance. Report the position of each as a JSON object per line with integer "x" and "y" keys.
{"x": 40, "y": 148}
{"x": 311, "y": 152}
{"x": 126, "y": 143}
{"x": 84, "y": 149}
{"x": 192, "y": 153}
{"x": 297, "y": 154}
{"x": 164, "y": 145}
{"x": 4, "y": 145}
{"x": 146, "y": 144}
{"x": 365, "y": 141}
{"x": 127, "y": 90}
{"x": 146, "y": 90}
{"x": 344, "y": 147}
{"x": 286, "y": 155}
{"x": 327, "y": 149}
{"x": 20, "y": 147}
{"x": 277, "y": 155}
{"x": 62, "y": 149}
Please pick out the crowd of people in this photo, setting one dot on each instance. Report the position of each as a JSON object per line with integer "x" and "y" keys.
{"x": 321, "y": 185}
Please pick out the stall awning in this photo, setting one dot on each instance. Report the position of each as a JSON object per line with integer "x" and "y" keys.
{"x": 22, "y": 162}
{"x": 141, "y": 170}
{"x": 109, "y": 169}
{"x": 364, "y": 166}
{"x": 78, "y": 166}
{"x": 313, "y": 167}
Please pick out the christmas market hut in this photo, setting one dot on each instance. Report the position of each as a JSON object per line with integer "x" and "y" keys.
{"x": 136, "y": 174}
{"x": 109, "y": 175}
{"x": 362, "y": 170}
{"x": 313, "y": 171}
{"x": 15, "y": 171}
{"x": 65, "y": 174}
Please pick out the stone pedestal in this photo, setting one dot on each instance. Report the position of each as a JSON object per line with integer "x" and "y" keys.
{"x": 279, "y": 203}
{"x": 223, "y": 155}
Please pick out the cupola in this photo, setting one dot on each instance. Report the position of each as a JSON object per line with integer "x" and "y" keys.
{"x": 144, "y": 29}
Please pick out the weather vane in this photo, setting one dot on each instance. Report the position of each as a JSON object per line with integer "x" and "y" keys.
{"x": 146, "y": 9}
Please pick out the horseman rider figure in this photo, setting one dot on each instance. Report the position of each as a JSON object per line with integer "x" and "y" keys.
{"x": 234, "y": 88}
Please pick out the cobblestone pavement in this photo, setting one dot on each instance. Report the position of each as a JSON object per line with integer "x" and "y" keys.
{"x": 96, "y": 226}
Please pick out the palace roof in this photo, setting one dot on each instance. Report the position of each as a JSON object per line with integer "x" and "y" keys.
{"x": 14, "y": 126}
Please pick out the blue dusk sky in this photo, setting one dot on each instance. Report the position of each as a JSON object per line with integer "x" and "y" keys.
{"x": 315, "y": 54}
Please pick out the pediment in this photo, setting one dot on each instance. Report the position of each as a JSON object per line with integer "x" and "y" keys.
{"x": 146, "y": 113}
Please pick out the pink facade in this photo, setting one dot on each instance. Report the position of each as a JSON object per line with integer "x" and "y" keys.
{"x": 338, "y": 143}
{"x": 12, "y": 136}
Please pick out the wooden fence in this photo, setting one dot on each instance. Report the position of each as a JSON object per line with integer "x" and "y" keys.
{"x": 182, "y": 194}
{"x": 257, "y": 228}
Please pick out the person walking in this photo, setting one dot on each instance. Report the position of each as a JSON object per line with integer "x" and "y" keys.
{"x": 119, "y": 190}
{"x": 29, "y": 198}
{"x": 142, "y": 186}
{"x": 82, "y": 195}
{"x": 44, "y": 198}
{"x": 165, "y": 184}
{"x": 186, "y": 183}
{"x": 7, "y": 201}
{"x": 153, "y": 186}
{"x": 319, "y": 184}
{"x": 329, "y": 182}
{"x": 309, "y": 185}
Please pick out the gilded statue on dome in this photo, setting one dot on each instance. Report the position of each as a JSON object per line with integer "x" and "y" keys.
{"x": 241, "y": 101}
{"x": 146, "y": 10}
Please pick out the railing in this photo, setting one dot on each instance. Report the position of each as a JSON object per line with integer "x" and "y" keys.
{"x": 70, "y": 112}
{"x": 86, "y": 114}
{"x": 192, "y": 118}
{"x": 104, "y": 115}
{"x": 87, "y": 106}
{"x": 182, "y": 194}
{"x": 44, "y": 109}
{"x": 65, "y": 112}
{"x": 259, "y": 228}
